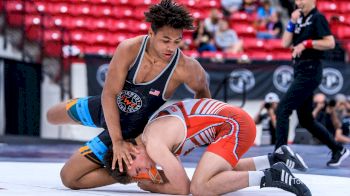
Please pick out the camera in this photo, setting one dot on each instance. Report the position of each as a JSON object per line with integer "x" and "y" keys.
{"x": 331, "y": 103}
{"x": 267, "y": 105}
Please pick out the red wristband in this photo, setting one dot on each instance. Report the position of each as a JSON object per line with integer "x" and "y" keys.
{"x": 308, "y": 43}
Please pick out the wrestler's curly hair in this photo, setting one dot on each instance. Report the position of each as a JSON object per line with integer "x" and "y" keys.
{"x": 168, "y": 13}
{"x": 121, "y": 177}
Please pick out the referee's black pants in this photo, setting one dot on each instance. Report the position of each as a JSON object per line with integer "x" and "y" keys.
{"x": 307, "y": 77}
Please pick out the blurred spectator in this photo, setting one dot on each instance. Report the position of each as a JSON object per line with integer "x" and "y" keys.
{"x": 266, "y": 115}
{"x": 264, "y": 12}
{"x": 346, "y": 121}
{"x": 250, "y": 6}
{"x": 230, "y": 6}
{"x": 274, "y": 28}
{"x": 211, "y": 23}
{"x": 341, "y": 105}
{"x": 325, "y": 113}
{"x": 203, "y": 40}
{"x": 226, "y": 39}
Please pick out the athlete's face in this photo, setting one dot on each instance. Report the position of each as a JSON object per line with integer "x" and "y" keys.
{"x": 305, "y": 5}
{"x": 141, "y": 164}
{"x": 166, "y": 41}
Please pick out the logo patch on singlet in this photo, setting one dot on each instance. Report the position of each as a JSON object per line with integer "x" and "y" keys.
{"x": 128, "y": 101}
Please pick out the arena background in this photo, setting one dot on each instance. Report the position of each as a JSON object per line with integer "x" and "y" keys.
{"x": 53, "y": 50}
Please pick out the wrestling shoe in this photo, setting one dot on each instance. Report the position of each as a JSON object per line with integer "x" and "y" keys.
{"x": 338, "y": 157}
{"x": 286, "y": 155}
{"x": 279, "y": 176}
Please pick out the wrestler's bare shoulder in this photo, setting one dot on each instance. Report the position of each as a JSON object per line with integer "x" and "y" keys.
{"x": 132, "y": 45}
{"x": 188, "y": 64}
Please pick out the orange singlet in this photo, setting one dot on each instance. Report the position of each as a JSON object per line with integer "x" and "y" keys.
{"x": 229, "y": 131}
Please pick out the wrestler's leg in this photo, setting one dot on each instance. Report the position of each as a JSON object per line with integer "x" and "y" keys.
{"x": 85, "y": 111}
{"x": 85, "y": 167}
{"x": 57, "y": 114}
{"x": 81, "y": 173}
{"x": 208, "y": 177}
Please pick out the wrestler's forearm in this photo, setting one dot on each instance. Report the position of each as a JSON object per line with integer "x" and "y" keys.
{"x": 112, "y": 118}
{"x": 166, "y": 188}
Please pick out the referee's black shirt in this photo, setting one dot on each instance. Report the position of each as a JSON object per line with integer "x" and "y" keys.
{"x": 312, "y": 26}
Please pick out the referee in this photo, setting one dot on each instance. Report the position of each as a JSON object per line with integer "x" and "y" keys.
{"x": 309, "y": 35}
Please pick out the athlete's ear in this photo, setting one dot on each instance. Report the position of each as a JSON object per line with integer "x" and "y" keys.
{"x": 150, "y": 32}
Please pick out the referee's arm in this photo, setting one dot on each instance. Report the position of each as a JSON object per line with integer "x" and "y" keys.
{"x": 288, "y": 35}
{"x": 326, "y": 43}
{"x": 287, "y": 39}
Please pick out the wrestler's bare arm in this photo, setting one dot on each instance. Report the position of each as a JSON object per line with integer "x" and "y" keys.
{"x": 159, "y": 152}
{"x": 116, "y": 75}
{"x": 196, "y": 78}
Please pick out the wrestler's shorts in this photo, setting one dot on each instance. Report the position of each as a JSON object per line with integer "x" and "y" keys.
{"x": 235, "y": 136}
{"x": 87, "y": 111}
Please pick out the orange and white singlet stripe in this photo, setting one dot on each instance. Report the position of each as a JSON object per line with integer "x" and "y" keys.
{"x": 229, "y": 131}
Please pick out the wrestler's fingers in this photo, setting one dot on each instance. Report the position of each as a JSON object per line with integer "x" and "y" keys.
{"x": 120, "y": 164}
{"x": 129, "y": 159}
{"x": 126, "y": 160}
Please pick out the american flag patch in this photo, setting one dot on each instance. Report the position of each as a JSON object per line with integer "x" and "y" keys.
{"x": 154, "y": 92}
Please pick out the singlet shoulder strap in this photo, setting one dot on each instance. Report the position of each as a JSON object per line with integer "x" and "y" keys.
{"x": 137, "y": 62}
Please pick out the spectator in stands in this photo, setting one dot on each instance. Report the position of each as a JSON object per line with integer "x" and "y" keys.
{"x": 266, "y": 115}
{"x": 325, "y": 112}
{"x": 250, "y": 6}
{"x": 273, "y": 29}
{"x": 203, "y": 40}
{"x": 345, "y": 127}
{"x": 341, "y": 106}
{"x": 230, "y": 6}
{"x": 226, "y": 39}
{"x": 265, "y": 10}
{"x": 211, "y": 23}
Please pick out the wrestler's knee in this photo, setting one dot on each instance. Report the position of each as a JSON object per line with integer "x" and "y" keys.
{"x": 198, "y": 188}
{"x": 68, "y": 180}
{"x": 51, "y": 115}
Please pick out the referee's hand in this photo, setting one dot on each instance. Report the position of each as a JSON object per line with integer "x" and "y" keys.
{"x": 295, "y": 15}
{"x": 297, "y": 50}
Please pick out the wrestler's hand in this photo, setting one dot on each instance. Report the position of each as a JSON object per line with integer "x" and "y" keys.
{"x": 122, "y": 151}
{"x": 295, "y": 15}
{"x": 146, "y": 185}
{"x": 297, "y": 50}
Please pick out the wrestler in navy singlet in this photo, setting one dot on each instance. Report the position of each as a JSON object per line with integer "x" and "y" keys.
{"x": 136, "y": 103}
